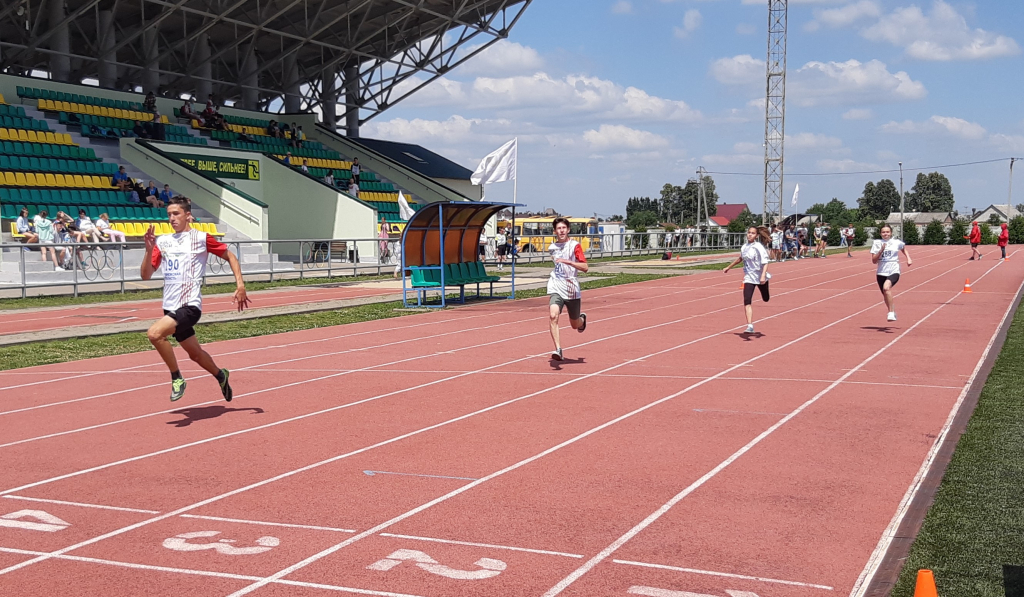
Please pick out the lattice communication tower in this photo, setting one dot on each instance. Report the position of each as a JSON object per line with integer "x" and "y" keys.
{"x": 775, "y": 111}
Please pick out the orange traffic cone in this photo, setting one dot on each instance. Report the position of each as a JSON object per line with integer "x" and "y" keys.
{"x": 967, "y": 286}
{"x": 925, "y": 584}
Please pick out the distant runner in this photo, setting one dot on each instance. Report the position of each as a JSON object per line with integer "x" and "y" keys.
{"x": 975, "y": 239}
{"x": 563, "y": 286}
{"x": 183, "y": 256}
{"x": 755, "y": 270}
{"x": 886, "y": 253}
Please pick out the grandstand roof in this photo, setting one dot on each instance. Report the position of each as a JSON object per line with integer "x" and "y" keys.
{"x": 396, "y": 45}
{"x": 418, "y": 158}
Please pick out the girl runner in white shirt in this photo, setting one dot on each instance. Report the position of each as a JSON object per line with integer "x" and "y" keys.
{"x": 755, "y": 269}
{"x": 563, "y": 287}
{"x": 886, "y": 253}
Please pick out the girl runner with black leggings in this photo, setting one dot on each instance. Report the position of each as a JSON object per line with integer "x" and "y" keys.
{"x": 755, "y": 269}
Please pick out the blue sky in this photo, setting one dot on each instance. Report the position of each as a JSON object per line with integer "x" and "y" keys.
{"x": 614, "y": 98}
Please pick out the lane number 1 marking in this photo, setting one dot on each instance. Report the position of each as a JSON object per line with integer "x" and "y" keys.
{"x": 490, "y": 567}
{"x": 48, "y": 523}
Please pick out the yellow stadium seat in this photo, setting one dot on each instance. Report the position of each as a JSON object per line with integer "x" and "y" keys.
{"x": 61, "y": 181}
{"x": 51, "y": 180}
{"x": 30, "y": 136}
{"x": 50, "y": 137}
{"x": 3, "y": 179}
{"x": 22, "y": 136}
{"x": 65, "y": 139}
{"x": 14, "y": 226}
{"x": 2, "y": 99}
{"x": 79, "y": 182}
{"x": 4, "y": 135}
{"x": 30, "y": 179}
{"x": 20, "y": 180}
{"x": 98, "y": 182}
{"x": 41, "y": 104}
{"x": 139, "y": 229}
{"x": 10, "y": 180}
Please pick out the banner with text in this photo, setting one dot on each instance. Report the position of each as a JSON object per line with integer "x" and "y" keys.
{"x": 221, "y": 167}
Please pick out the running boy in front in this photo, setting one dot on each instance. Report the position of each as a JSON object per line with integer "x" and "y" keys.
{"x": 183, "y": 256}
{"x": 563, "y": 286}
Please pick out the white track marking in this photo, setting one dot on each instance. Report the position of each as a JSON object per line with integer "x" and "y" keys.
{"x": 860, "y": 588}
{"x": 380, "y": 528}
{"x": 587, "y": 566}
{"x": 608, "y": 551}
{"x": 725, "y": 575}
{"x": 80, "y": 504}
{"x": 227, "y": 575}
{"x": 268, "y": 524}
{"x": 490, "y": 545}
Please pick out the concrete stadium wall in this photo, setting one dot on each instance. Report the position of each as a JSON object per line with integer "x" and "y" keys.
{"x": 245, "y": 214}
{"x": 298, "y": 206}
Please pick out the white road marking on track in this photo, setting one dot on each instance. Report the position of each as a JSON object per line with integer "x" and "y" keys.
{"x": 608, "y": 551}
{"x": 269, "y": 524}
{"x": 79, "y": 504}
{"x": 725, "y": 574}
{"x": 491, "y": 545}
{"x": 593, "y": 562}
{"x": 228, "y": 575}
{"x": 860, "y": 588}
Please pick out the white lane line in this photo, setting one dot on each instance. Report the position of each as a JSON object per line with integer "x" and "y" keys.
{"x": 268, "y": 524}
{"x": 724, "y": 574}
{"x": 398, "y": 438}
{"x": 227, "y": 575}
{"x": 491, "y": 545}
{"x": 387, "y": 524}
{"x": 863, "y": 583}
{"x": 80, "y": 504}
{"x": 654, "y": 516}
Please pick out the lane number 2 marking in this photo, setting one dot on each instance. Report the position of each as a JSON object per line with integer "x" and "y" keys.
{"x": 221, "y": 546}
{"x": 489, "y": 567}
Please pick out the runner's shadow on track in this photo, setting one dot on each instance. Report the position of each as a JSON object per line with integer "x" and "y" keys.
{"x": 193, "y": 415}
{"x": 748, "y": 337}
{"x": 557, "y": 365}
{"x": 880, "y": 328}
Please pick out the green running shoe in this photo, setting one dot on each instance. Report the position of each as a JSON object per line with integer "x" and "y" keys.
{"x": 225, "y": 387}
{"x": 177, "y": 389}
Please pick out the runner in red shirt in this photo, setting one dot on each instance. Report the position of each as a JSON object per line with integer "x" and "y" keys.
{"x": 563, "y": 286}
{"x": 975, "y": 239}
{"x": 183, "y": 256}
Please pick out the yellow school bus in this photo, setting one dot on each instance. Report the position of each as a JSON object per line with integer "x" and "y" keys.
{"x": 535, "y": 234}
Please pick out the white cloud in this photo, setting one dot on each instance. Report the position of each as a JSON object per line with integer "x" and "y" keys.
{"x": 812, "y": 141}
{"x": 852, "y": 82}
{"x": 503, "y": 58}
{"x": 943, "y": 34}
{"x": 691, "y": 22}
{"x": 738, "y": 70}
{"x": 847, "y": 165}
{"x": 845, "y": 16}
{"x": 456, "y": 129}
{"x": 617, "y": 136}
{"x": 745, "y": 29}
{"x": 622, "y": 7}
{"x": 947, "y": 125}
{"x": 858, "y": 114}
{"x": 1003, "y": 142}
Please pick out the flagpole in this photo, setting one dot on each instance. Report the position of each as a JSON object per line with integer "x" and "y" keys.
{"x": 515, "y": 181}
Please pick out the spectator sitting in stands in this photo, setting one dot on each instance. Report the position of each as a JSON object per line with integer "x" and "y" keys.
{"x": 187, "y": 111}
{"x": 157, "y": 128}
{"x": 166, "y": 195}
{"x": 86, "y": 227}
{"x": 149, "y": 104}
{"x": 288, "y": 159}
{"x": 219, "y": 123}
{"x": 106, "y": 232}
{"x": 210, "y": 105}
{"x": 142, "y": 131}
{"x": 121, "y": 180}
{"x": 26, "y": 228}
{"x": 305, "y": 168}
{"x": 356, "y": 169}
{"x": 329, "y": 179}
{"x": 153, "y": 195}
{"x": 272, "y": 129}
{"x": 353, "y": 188}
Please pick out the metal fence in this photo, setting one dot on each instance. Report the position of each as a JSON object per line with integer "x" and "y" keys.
{"x": 114, "y": 267}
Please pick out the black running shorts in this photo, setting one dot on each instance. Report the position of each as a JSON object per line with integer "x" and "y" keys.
{"x": 882, "y": 280}
{"x": 186, "y": 317}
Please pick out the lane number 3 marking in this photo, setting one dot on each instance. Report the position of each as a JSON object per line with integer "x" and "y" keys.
{"x": 489, "y": 567}
{"x": 221, "y": 546}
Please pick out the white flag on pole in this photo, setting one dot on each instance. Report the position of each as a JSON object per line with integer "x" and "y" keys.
{"x": 404, "y": 211}
{"x": 796, "y": 195}
{"x": 498, "y": 166}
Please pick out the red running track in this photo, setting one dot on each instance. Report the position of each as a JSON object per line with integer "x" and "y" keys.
{"x": 120, "y": 312}
{"x": 668, "y": 454}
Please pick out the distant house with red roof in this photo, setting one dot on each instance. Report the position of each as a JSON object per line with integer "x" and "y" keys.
{"x": 729, "y": 211}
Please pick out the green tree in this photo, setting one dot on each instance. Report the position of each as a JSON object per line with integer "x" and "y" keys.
{"x": 879, "y": 200}
{"x": 834, "y": 212}
{"x": 931, "y": 192}
{"x": 1016, "y": 229}
{"x": 834, "y": 236}
{"x": 935, "y": 233}
{"x": 910, "y": 234}
{"x": 994, "y": 219}
{"x": 743, "y": 221}
{"x": 860, "y": 236}
{"x": 642, "y": 219}
{"x": 638, "y": 204}
{"x": 987, "y": 236}
{"x": 957, "y": 232}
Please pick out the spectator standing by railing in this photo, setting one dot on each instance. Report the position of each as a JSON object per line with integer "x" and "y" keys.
{"x": 329, "y": 179}
{"x": 356, "y": 169}
{"x": 305, "y": 167}
{"x": 353, "y": 188}
{"x": 46, "y": 237}
{"x": 149, "y": 104}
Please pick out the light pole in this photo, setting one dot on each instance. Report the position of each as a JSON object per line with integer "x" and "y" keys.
{"x": 1009, "y": 197}
{"x": 902, "y": 218}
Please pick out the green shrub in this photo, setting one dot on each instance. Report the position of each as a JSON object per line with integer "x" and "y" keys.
{"x": 834, "y": 237}
{"x": 958, "y": 232}
{"x": 1017, "y": 230}
{"x": 910, "y": 234}
{"x": 860, "y": 236}
{"x": 935, "y": 233}
{"x": 987, "y": 236}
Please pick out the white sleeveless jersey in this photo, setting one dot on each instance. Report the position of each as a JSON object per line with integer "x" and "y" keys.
{"x": 183, "y": 256}
{"x": 563, "y": 281}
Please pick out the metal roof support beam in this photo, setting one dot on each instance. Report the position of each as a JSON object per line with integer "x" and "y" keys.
{"x": 60, "y": 42}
